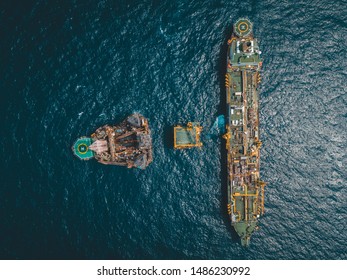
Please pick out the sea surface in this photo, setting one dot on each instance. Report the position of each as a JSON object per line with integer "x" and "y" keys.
{"x": 68, "y": 67}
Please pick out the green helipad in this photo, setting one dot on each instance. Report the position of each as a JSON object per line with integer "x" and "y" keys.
{"x": 243, "y": 27}
{"x": 81, "y": 150}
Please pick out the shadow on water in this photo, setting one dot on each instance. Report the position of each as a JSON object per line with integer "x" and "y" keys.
{"x": 168, "y": 137}
{"x": 222, "y": 111}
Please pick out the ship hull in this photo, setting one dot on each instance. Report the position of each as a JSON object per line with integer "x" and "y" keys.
{"x": 245, "y": 189}
{"x": 126, "y": 144}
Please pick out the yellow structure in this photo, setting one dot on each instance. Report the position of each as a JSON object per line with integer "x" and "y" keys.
{"x": 187, "y": 137}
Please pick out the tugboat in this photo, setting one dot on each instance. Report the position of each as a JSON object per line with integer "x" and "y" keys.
{"x": 126, "y": 144}
{"x": 245, "y": 189}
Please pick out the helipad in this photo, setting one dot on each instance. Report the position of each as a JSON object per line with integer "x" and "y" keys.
{"x": 81, "y": 150}
{"x": 243, "y": 27}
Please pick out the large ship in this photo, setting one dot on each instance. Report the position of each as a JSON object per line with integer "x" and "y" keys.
{"x": 126, "y": 144}
{"x": 245, "y": 189}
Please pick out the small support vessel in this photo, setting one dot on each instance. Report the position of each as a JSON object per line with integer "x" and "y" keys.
{"x": 245, "y": 189}
{"x": 126, "y": 144}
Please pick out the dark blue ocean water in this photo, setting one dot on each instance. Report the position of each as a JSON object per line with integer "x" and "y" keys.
{"x": 68, "y": 67}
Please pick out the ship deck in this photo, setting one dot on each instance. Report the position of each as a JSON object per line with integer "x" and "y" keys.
{"x": 245, "y": 190}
